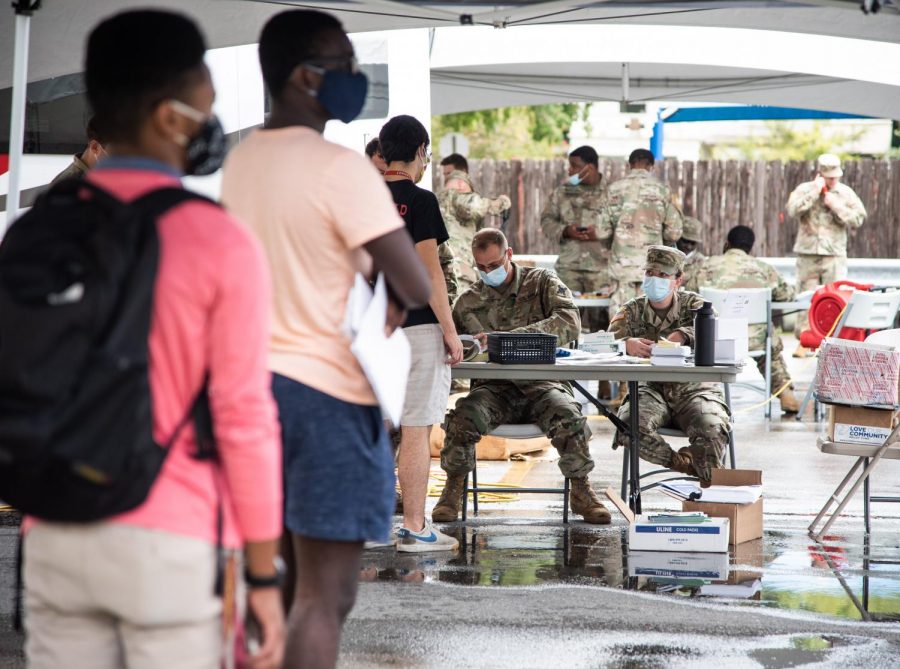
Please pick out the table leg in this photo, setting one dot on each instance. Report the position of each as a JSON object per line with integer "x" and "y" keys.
{"x": 634, "y": 496}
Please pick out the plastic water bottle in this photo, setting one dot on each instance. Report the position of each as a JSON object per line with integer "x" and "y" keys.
{"x": 705, "y": 336}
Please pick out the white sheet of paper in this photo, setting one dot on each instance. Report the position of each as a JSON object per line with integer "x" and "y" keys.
{"x": 357, "y": 301}
{"x": 385, "y": 360}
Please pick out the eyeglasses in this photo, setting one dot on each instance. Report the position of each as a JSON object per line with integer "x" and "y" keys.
{"x": 344, "y": 64}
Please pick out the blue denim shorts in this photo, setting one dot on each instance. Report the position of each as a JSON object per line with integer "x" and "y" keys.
{"x": 338, "y": 465}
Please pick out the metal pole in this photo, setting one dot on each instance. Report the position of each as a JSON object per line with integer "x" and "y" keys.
{"x": 656, "y": 139}
{"x": 23, "y": 9}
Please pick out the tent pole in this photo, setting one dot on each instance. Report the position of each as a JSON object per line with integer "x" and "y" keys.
{"x": 23, "y": 9}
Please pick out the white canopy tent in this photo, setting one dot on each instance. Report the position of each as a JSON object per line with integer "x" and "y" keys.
{"x": 482, "y": 68}
{"x": 57, "y": 30}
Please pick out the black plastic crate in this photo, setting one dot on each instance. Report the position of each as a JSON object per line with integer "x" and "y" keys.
{"x": 509, "y": 348}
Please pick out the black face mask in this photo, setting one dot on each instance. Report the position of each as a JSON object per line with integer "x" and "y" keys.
{"x": 206, "y": 150}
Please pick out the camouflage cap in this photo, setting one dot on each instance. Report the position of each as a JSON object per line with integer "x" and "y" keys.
{"x": 665, "y": 259}
{"x": 693, "y": 230}
{"x": 829, "y": 165}
{"x": 459, "y": 174}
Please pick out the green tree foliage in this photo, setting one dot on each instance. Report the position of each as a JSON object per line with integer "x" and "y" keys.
{"x": 539, "y": 131}
{"x": 785, "y": 142}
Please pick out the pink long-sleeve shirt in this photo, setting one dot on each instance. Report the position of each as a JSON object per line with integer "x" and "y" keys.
{"x": 210, "y": 312}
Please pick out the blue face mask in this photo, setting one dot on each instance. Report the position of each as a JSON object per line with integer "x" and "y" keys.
{"x": 343, "y": 94}
{"x": 574, "y": 180}
{"x": 656, "y": 288}
{"x": 495, "y": 277}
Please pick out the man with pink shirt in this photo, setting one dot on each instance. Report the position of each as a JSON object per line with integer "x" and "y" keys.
{"x": 139, "y": 589}
{"x": 322, "y": 213}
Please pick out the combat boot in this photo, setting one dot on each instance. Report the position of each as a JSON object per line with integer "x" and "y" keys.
{"x": 801, "y": 352}
{"x": 616, "y": 401}
{"x": 447, "y": 508}
{"x": 604, "y": 391}
{"x": 789, "y": 403}
{"x": 683, "y": 463}
{"x": 584, "y": 501}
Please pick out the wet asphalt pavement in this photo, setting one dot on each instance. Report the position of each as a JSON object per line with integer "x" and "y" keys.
{"x": 525, "y": 591}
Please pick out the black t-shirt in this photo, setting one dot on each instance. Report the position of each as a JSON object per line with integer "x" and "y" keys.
{"x": 420, "y": 211}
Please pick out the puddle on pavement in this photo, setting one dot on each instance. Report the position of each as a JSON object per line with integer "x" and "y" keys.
{"x": 784, "y": 570}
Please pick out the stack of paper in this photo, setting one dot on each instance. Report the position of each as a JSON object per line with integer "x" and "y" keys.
{"x": 679, "y": 517}
{"x": 668, "y": 353}
{"x": 385, "y": 360}
{"x": 726, "y": 494}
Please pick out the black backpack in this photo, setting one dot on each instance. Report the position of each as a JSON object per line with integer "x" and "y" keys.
{"x": 77, "y": 274}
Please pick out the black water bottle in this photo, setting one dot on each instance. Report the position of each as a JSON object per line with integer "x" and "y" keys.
{"x": 705, "y": 336}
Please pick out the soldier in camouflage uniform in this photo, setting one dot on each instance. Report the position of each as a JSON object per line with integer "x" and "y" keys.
{"x": 698, "y": 409}
{"x": 738, "y": 269}
{"x": 571, "y": 217}
{"x": 640, "y": 211}
{"x": 826, "y": 210}
{"x": 510, "y": 298}
{"x": 689, "y": 244}
{"x": 448, "y": 267}
{"x": 464, "y": 211}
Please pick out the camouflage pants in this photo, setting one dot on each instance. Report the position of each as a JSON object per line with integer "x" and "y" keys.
{"x": 697, "y": 409}
{"x": 814, "y": 271}
{"x": 588, "y": 281}
{"x": 780, "y": 374}
{"x": 625, "y": 290}
{"x": 550, "y": 405}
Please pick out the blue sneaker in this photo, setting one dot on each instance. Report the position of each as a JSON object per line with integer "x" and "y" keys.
{"x": 427, "y": 540}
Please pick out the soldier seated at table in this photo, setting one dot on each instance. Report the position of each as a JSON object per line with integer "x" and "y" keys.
{"x": 511, "y": 298}
{"x": 736, "y": 268}
{"x": 698, "y": 409}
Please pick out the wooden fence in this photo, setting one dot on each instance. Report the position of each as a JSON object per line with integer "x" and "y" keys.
{"x": 719, "y": 193}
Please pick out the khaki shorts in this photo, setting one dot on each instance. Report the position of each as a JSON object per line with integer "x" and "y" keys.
{"x": 428, "y": 387}
{"x": 108, "y": 595}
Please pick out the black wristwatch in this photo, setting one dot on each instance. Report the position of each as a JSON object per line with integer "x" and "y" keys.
{"x": 276, "y": 580}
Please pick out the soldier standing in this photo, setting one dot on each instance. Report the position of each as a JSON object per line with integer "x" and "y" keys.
{"x": 571, "y": 217}
{"x": 464, "y": 212}
{"x": 510, "y": 298}
{"x": 736, "y": 268}
{"x": 826, "y": 210}
{"x": 640, "y": 213}
{"x": 698, "y": 409}
{"x": 690, "y": 244}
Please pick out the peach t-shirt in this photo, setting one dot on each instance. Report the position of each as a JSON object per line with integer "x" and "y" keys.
{"x": 313, "y": 204}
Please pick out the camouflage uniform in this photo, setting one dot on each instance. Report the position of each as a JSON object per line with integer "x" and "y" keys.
{"x": 737, "y": 269}
{"x": 821, "y": 245}
{"x": 582, "y": 266}
{"x": 464, "y": 215}
{"x": 692, "y": 232}
{"x": 534, "y": 301}
{"x": 698, "y": 409}
{"x": 77, "y": 169}
{"x": 640, "y": 212}
{"x": 448, "y": 267}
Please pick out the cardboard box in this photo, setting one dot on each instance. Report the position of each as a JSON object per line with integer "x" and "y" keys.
{"x": 745, "y": 520}
{"x": 860, "y": 425}
{"x": 600, "y": 342}
{"x": 856, "y": 373}
{"x": 731, "y": 351}
{"x": 732, "y": 328}
{"x": 643, "y": 535}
